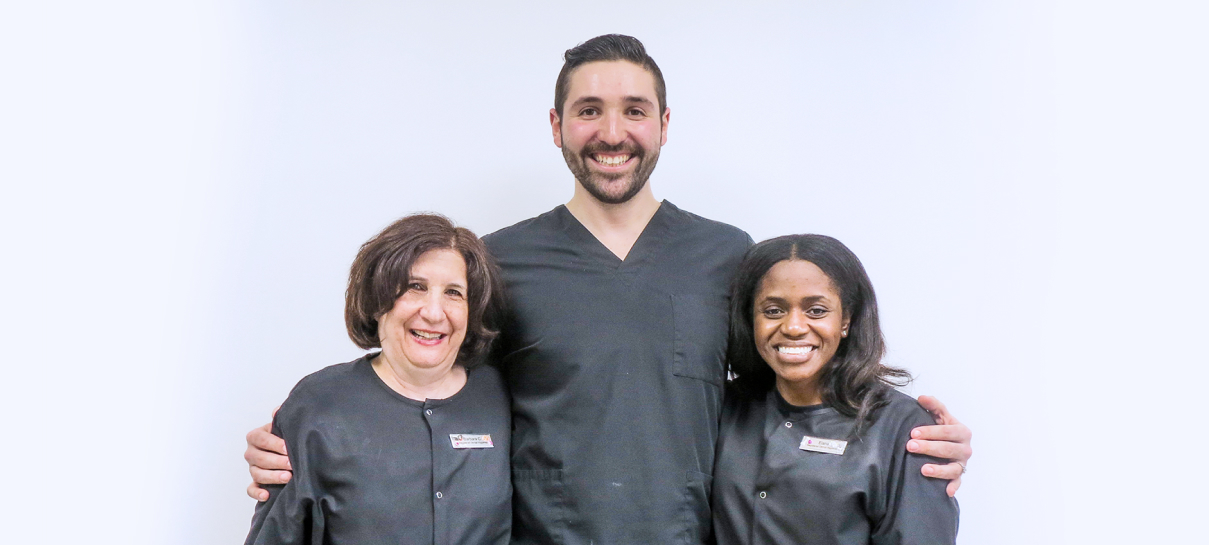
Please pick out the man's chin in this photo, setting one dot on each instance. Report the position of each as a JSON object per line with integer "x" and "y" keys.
{"x": 615, "y": 191}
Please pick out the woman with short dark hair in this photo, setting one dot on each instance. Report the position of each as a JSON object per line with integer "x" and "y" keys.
{"x": 810, "y": 444}
{"x": 408, "y": 444}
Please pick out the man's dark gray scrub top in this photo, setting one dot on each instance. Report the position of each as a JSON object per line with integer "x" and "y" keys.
{"x": 769, "y": 491}
{"x": 615, "y": 369}
{"x": 372, "y": 466}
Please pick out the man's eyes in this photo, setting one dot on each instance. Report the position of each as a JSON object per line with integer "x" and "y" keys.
{"x": 593, "y": 112}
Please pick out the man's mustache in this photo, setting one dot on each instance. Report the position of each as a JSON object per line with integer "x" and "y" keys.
{"x": 621, "y": 147}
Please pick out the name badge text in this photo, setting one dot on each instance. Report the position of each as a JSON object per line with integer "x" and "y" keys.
{"x": 469, "y": 440}
{"x": 829, "y": 446}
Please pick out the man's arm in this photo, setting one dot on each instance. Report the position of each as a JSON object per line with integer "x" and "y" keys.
{"x": 948, "y": 439}
{"x": 267, "y": 461}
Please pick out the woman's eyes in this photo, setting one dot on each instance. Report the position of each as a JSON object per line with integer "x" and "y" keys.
{"x": 451, "y": 292}
{"x": 773, "y": 312}
{"x": 777, "y": 312}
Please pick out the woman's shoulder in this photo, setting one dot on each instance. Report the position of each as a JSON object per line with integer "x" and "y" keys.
{"x": 742, "y": 399}
{"x": 338, "y": 375}
{"x": 328, "y": 387}
{"x": 485, "y": 383}
{"x": 488, "y": 374}
{"x": 902, "y": 410}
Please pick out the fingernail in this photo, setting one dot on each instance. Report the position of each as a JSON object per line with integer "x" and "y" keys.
{"x": 929, "y": 471}
{"x": 915, "y": 433}
{"x": 263, "y": 496}
{"x": 912, "y": 446}
{"x": 285, "y": 475}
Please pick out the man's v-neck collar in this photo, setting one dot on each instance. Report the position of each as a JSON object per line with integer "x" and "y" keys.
{"x": 650, "y": 241}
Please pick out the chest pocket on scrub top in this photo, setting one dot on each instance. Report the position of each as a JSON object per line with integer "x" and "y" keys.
{"x": 700, "y": 344}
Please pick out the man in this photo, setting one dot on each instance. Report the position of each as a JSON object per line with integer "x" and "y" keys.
{"x": 614, "y": 348}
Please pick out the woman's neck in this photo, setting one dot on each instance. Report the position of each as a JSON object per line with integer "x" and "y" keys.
{"x": 417, "y": 383}
{"x": 800, "y": 394}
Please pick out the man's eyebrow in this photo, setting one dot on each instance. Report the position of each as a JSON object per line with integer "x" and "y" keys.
{"x": 597, "y": 100}
{"x": 587, "y": 100}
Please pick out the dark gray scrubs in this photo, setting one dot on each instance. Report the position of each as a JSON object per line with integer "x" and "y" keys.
{"x": 372, "y": 466}
{"x": 769, "y": 491}
{"x": 615, "y": 369}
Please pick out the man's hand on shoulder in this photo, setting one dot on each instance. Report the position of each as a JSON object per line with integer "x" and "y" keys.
{"x": 267, "y": 460}
{"x": 948, "y": 439}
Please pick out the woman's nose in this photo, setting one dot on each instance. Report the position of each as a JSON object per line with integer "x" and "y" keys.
{"x": 432, "y": 310}
{"x": 795, "y": 324}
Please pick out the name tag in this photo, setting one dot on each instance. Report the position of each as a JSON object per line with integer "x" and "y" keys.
{"x": 829, "y": 446}
{"x": 467, "y": 440}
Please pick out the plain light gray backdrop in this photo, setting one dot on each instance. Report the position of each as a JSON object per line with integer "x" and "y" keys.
{"x": 186, "y": 184}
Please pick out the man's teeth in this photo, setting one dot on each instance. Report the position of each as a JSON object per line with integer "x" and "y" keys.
{"x": 795, "y": 350}
{"x": 612, "y": 161}
{"x": 426, "y": 335}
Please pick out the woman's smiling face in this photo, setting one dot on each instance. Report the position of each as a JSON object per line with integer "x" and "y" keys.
{"x": 427, "y": 324}
{"x": 798, "y": 325}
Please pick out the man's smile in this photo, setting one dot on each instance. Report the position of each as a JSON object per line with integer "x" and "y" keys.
{"x": 611, "y": 160}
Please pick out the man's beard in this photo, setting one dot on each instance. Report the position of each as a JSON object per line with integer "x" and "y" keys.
{"x": 595, "y": 183}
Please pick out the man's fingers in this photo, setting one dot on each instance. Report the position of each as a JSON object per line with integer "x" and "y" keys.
{"x": 262, "y": 438}
{"x": 941, "y": 449}
{"x": 955, "y": 433}
{"x": 257, "y": 493}
{"x": 268, "y": 476}
{"x": 942, "y": 471}
{"x": 949, "y": 439}
{"x": 938, "y": 410}
{"x": 263, "y": 459}
{"x": 953, "y": 486}
{"x": 267, "y": 460}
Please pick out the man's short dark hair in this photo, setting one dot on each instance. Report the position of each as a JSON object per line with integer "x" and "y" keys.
{"x": 382, "y": 268}
{"x": 610, "y": 47}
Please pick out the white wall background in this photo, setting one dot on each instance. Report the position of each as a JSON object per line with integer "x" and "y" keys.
{"x": 185, "y": 184}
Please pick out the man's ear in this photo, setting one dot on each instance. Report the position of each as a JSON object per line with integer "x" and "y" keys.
{"x": 667, "y": 118}
{"x": 556, "y": 128}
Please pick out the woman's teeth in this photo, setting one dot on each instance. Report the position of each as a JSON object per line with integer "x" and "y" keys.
{"x": 427, "y": 336}
{"x": 795, "y": 350}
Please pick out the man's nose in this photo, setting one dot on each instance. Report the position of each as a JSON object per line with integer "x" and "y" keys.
{"x": 612, "y": 130}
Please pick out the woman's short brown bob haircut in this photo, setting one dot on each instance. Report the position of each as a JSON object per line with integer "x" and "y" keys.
{"x": 381, "y": 271}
